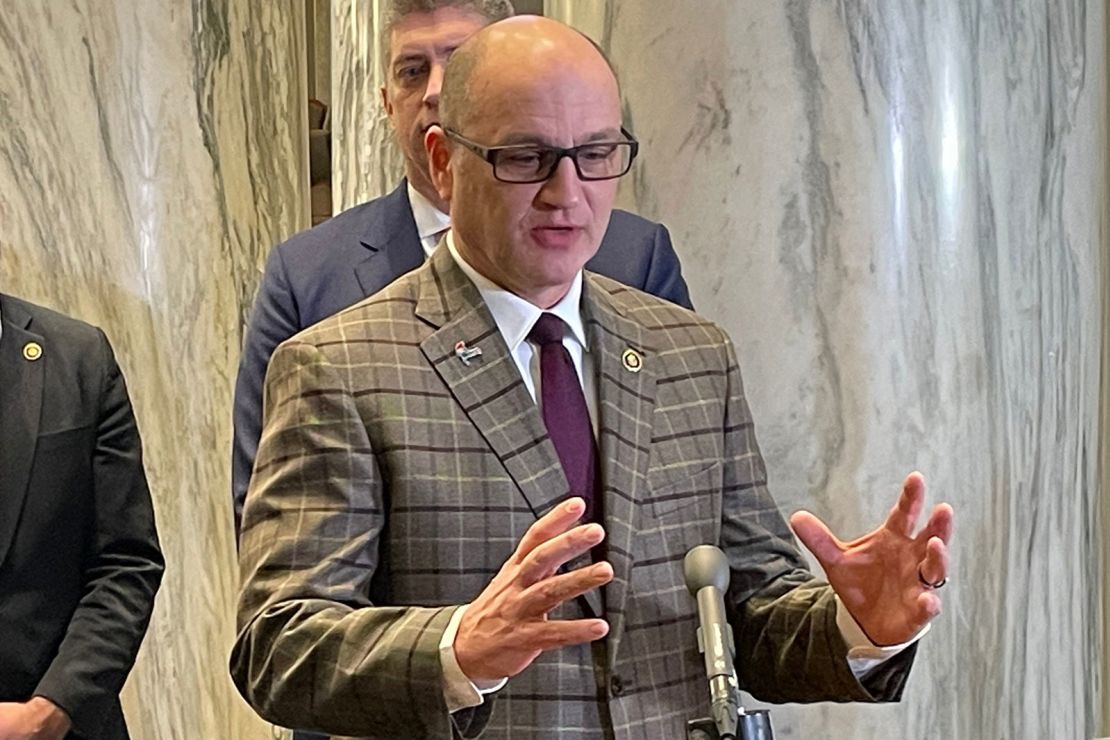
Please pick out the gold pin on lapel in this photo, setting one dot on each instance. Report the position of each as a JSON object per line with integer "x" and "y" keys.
{"x": 32, "y": 351}
{"x": 633, "y": 361}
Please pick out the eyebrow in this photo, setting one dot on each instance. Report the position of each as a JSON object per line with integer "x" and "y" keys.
{"x": 421, "y": 56}
{"x": 406, "y": 58}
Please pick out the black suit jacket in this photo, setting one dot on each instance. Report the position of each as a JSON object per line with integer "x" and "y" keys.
{"x": 354, "y": 255}
{"x": 79, "y": 555}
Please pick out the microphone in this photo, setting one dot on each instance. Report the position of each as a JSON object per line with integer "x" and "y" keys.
{"x": 707, "y": 577}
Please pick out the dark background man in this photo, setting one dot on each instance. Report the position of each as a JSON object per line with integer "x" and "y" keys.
{"x": 363, "y": 249}
{"x": 416, "y": 494}
{"x": 79, "y": 555}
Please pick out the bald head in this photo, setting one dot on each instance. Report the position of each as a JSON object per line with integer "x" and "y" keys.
{"x": 520, "y": 52}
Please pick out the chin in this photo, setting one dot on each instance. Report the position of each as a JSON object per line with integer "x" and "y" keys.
{"x": 559, "y": 280}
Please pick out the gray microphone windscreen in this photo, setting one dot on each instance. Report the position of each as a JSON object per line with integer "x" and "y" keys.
{"x": 706, "y": 565}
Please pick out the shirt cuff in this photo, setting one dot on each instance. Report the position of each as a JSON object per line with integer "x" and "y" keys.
{"x": 864, "y": 655}
{"x": 459, "y": 691}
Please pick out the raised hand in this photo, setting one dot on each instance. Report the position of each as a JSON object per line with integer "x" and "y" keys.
{"x": 888, "y": 578}
{"x": 506, "y": 627}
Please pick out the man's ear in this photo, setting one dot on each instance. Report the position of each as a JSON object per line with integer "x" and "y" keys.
{"x": 386, "y": 104}
{"x": 439, "y": 161}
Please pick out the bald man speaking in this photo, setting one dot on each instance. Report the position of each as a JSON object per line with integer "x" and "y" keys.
{"x": 474, "y": 490}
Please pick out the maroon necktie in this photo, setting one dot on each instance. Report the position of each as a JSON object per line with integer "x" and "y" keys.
{"x": 565, "y": 412}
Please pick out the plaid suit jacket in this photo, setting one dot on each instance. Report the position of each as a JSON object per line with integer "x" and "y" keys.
{"x": 393, "y": 481}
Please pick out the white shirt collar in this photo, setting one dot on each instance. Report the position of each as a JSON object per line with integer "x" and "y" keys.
{"x": 429, "y": 219}
{"x": 515, "y": 316}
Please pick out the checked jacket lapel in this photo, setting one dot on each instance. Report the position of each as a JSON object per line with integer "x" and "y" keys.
{"x": 626, "y": 403}
{"x": 490, "y": 389}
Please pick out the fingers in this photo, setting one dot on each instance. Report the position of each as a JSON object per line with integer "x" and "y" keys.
{"x": 552, "y": 524}
{"x": 546, "y": 557}
{"x": 817, "y": 538}
{"x": 542, "y": 597}
{"x": 928, "y": 606}
{"x": 560, "y": 633}
{"x": 940, "y": 524}
{"x": 903, "y": 517}
{"x": 934, "y": 568}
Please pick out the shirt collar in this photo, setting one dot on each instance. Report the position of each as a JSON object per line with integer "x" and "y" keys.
{"x": 429, "y": 219}
{"x": 515, "y": 316}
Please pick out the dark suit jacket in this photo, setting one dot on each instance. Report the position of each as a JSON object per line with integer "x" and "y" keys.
{"x": 79, "y": 556}
{"x": 354, "y": 255}
{"x": 393, "y": 481}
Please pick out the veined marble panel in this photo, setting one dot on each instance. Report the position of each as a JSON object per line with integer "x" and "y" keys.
{"x": 150, "y": 155}
{"x": 318, "y": 36}
{"x": 895, "y": 209}
{"x": 366, "y": 163}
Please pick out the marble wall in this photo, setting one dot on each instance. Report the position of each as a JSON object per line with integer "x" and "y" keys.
{"x": 896, "y": 208}
{"x": 365, "y": 161}
{"x": 150, "y": 154}
{"x": 1105, "y": 441}
{"x": 318, "y": 52}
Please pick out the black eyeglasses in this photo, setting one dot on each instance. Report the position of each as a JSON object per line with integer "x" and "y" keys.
{"x": 528, "y": 163}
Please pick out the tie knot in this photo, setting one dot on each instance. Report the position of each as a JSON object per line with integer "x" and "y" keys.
{"x": 548, "y": 329}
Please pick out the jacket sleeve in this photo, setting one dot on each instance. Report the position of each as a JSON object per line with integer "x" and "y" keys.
{"x": 313, "y": 651}
{"x": 788, "y": 645}
{"x": 274, "y": 318}
{"x": 664, "y": 277}
{"x": 122, "y": 570}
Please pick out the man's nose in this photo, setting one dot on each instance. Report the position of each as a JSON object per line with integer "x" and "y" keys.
{"x": 435, "y": 86}
{"x": 563, "y": 189}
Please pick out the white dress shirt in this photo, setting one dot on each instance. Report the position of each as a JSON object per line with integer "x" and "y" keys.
{"x": 430, "y": 221}
{"x": 515, "y": 318}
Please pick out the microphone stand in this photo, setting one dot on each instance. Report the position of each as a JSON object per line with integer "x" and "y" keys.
{"x": 707, "y": 577}
{"x": 753, "y": 725}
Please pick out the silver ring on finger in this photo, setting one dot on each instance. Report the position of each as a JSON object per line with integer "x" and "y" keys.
{"x": 927, "y": 584}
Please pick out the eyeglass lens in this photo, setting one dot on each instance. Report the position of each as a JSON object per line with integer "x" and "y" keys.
{"x": 601, "y": 160}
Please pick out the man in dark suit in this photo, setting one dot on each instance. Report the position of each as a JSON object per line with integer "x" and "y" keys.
{"x": 476, "y": 488}
{"x": 79, "y": 555}
{"x": 360, "y": 251}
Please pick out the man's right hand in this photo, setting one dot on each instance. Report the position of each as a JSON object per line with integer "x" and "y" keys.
{"x": 506, "y": 627}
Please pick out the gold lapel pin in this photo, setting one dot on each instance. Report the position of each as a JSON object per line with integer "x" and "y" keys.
{"x": 632, "y": 360}
{"x": 32, "y": 351}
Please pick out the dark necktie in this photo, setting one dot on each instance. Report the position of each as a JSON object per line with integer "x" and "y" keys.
{"x": 565, "y": 412}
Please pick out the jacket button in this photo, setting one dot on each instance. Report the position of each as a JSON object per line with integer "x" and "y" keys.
{"x": 616, "y": 685}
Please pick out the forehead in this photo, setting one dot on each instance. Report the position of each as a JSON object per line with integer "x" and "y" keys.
{"x": 438, "y": 31}
{"x": 562, "y": 106}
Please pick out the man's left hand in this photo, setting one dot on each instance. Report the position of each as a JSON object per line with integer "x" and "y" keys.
{"x": 888, "y": 578}
{"x": 37, "y": 719}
